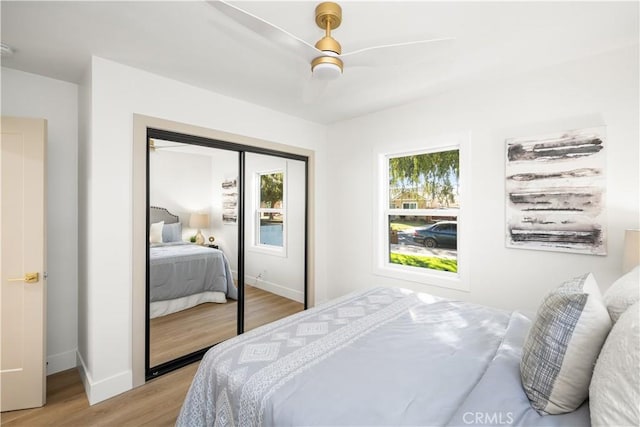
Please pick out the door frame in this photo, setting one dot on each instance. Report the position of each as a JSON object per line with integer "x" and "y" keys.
{"x": 181, "y": 132}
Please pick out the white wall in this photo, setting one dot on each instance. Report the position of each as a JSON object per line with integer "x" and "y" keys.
{"x": 84, "y": 218}
{"x": 117, "y": 93}
{"x": 600, "y": 90}
{"x": 30, "y": 95}
{"x": 181, "y": 183}
{"x": 277, "y": 271}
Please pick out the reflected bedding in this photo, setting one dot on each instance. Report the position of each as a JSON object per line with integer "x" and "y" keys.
{"x": 180, "y": 269}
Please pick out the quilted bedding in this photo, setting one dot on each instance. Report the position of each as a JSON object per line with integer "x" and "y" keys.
{"x": 385, "y": 356}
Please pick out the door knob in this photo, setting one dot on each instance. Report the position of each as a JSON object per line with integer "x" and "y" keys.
{"x": 28, "y": 278}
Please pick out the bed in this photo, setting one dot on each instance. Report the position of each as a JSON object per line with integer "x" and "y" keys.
{"x": 181, "y": 274}
{"x": 385, "y": 356}
{"x": 392, "y": 357}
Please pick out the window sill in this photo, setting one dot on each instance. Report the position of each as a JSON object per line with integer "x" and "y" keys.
{"x": 441, "y": 279}
{"x": 269, "y": 250}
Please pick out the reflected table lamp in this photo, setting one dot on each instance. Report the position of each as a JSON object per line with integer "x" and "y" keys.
{"x": 199, "y": 221}
{"x": 631, "y": 253}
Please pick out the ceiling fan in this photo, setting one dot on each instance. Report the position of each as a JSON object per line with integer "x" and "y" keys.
{"x": 326, "y": 58}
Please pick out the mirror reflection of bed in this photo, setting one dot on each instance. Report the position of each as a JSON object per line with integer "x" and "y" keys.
{"x": 193, "y": 286}
{"x": 181, "y": 333}
{"x": 186, "y": 282}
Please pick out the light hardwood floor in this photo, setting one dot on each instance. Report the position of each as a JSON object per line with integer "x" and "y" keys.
{"x": 190, "y": 330}
{"x": 158, "y": 402}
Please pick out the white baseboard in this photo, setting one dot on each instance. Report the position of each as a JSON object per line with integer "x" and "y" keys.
{"x": 274, "y": 288}
{"x": 61, "y": 361}
{"x": 106, "y": 388}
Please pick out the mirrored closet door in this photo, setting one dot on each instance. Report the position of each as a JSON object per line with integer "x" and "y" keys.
{"x": 227, "y": 227}
{"x": 275, "y": 195}
{"x": 193, "y": 248}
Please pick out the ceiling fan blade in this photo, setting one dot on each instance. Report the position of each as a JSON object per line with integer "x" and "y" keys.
{"x": 313, "y": 89}
{"x": 267, "y": 30}
{"x": 399, "y": 53}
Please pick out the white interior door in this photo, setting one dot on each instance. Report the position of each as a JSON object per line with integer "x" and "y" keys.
{"x": 23, "y": 263}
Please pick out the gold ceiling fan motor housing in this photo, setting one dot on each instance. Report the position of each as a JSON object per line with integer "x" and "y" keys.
{"x": 328, "y": 17}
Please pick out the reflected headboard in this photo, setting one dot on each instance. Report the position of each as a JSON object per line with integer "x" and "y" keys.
{"x": 157, "y": 214}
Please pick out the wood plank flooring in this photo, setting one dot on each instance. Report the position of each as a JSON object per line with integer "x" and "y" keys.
{"x": 190, "y": 330}
{"x": 158, "y": 402}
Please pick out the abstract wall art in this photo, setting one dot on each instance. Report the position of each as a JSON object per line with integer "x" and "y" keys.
{"x": 230, "y": 201}
{"x": 555, "y": 187}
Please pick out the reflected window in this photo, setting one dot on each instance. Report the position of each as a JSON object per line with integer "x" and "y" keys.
{"x": 270, "y": 210}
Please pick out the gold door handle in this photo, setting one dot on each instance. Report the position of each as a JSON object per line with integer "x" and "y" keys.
{"x": 28, "y": 278}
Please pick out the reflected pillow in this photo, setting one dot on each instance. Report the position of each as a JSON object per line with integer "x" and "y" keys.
{"x": 172, "y": 232}
{"x": 562, "y": 346}
{"x": 155, "y": 232}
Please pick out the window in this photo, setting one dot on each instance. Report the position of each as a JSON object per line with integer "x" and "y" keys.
{"x": 416, "y": 231}
{"x": 426, "y": 237}
{"x": 270, "y": 210}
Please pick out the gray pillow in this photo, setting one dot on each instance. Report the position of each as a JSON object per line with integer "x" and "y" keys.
{"x": 172, "y": 232}
{"x": 562, "y": 346}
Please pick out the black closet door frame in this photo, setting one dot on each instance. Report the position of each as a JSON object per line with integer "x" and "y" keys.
{"x": 155, "y": 133}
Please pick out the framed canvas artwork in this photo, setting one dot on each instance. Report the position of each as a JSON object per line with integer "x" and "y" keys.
{"x": 555, "y": 192}
{"x": 230, "y": 201}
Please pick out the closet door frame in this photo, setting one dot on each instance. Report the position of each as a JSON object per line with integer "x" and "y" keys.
{"x": 184, "y": 138}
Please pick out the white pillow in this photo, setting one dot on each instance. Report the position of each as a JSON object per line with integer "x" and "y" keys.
{"x": 614, "y": 393}
{"x": 562, "y": 346}
{"x": 623, "y": 293}
{"x": 155, "y": 232}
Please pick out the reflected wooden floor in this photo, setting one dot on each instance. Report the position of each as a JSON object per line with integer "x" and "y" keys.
{"x": 190, "y": 330}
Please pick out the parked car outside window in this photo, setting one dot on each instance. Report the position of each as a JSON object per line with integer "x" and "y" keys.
{"x": 440, "y": 234}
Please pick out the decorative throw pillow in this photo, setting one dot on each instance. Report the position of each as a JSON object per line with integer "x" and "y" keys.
{"x": 155, "y": 232}
{"x": 562, "y": 346}
{"x": 623, "y": 293}
{"x": 172, "y": 232}
{"x": 614, "y": 393}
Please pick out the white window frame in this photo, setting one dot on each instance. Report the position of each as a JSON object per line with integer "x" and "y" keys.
{"x": 381, "y": 247}
{"x": 257, "y": 211}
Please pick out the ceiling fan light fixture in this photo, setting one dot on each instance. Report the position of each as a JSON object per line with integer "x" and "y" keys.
{"x": 329, "y": 44}
{"x": 326, "y": 67}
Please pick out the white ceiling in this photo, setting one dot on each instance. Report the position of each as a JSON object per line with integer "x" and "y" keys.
{"x": 192, "y": 42}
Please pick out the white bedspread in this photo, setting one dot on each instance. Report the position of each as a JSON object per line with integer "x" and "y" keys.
{"x": 385, "y": 357}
